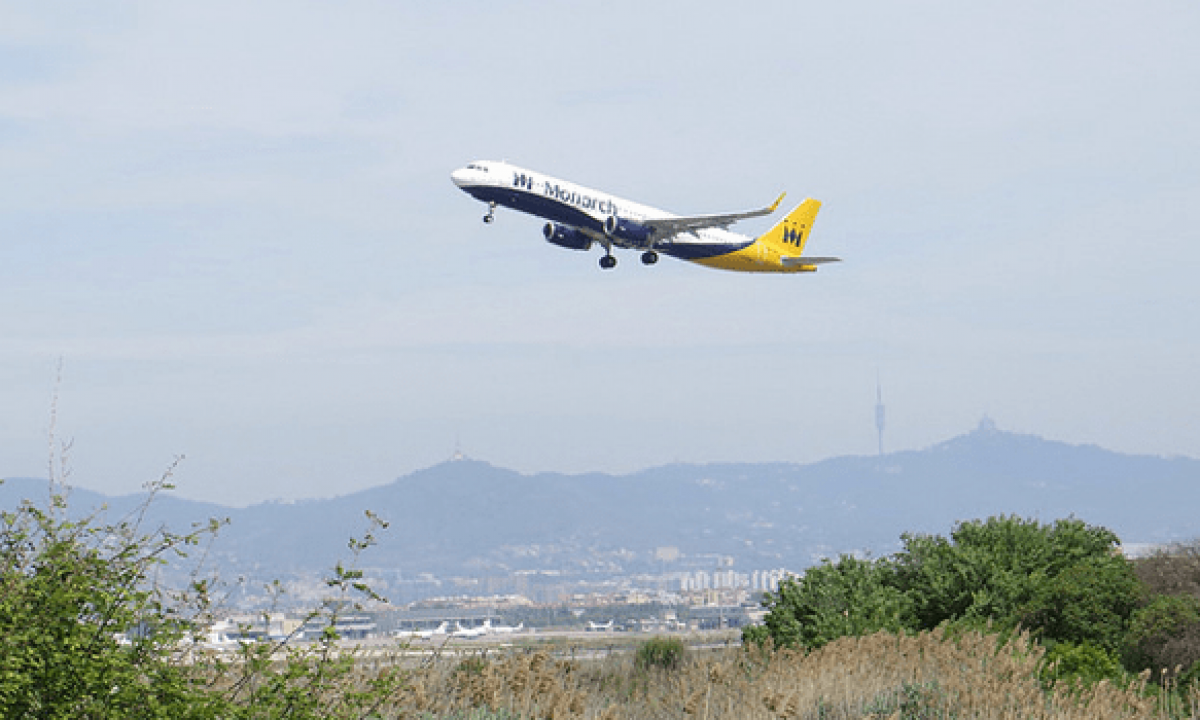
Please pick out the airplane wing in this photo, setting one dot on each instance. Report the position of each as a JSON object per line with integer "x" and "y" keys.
{"x": 667, "y": 227}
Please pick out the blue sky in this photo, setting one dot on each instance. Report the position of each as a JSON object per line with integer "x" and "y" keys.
{"x": 234, "y": 225}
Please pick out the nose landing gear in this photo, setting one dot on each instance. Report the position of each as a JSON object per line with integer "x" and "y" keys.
{"x": 491, "y": 213}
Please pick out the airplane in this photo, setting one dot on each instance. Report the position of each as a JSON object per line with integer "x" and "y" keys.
{"x": 471, "y": 632}
{"x": 423, "y": 634}
{"x": 580, "y": 217}
{"x": 599, "y": 627}
{"x": 504, "y": 629}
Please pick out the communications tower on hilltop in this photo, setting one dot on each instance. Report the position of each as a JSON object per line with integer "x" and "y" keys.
{"x": 879, "y": 412}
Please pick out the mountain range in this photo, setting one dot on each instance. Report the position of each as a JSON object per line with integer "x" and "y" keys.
{"x": 471, "y": 519}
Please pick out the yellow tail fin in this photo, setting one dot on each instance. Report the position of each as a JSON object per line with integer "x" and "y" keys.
{"x": 789, "y": 236}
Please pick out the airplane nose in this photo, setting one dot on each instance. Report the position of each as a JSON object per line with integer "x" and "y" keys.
{"x": 460, "y": 176}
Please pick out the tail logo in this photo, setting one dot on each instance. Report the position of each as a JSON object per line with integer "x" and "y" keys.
{"x": 792, "y": 236}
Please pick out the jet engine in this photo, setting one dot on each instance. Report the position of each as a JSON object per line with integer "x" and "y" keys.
{"x": 565, "y": 236}
{"x": 627, "y": 231}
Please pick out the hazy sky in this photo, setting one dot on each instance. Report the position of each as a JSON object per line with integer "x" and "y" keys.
{"x": 234, "y": 224}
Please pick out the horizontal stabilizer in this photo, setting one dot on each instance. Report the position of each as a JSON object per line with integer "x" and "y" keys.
{"x": 803, "y": 260}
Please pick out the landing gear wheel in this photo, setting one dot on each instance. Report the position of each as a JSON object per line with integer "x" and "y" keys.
{"x": 649, "y": 257}
{"x": 491, "y": 213}
{"x": 608, "y": 262}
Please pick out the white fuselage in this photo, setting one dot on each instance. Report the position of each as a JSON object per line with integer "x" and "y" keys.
{"x": 568, "y": 203}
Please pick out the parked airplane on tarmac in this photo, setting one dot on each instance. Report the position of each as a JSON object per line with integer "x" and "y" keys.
{"x": 471, "y": 632}
{"x": 580, "y": 217}
{"x": 504, "y": 629}
{"x": 442, "y": 629}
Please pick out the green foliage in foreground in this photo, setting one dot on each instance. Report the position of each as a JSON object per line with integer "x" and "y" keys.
{"x": 82, "y": 632}
{"x": 1065, "y": 582}
{"x": 86, "y": 633}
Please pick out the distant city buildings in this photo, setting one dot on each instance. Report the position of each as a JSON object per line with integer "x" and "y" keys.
{"x": 755, "y": 581}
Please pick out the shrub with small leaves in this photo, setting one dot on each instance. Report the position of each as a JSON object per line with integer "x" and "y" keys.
{"x": 1085, "y": 662}
{"x": 660, "y": 652}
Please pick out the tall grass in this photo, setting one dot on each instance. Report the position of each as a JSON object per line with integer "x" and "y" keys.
{"x": 878, "y": 676}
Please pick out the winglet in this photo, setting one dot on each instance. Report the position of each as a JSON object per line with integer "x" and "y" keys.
{"x": 775, "y": 205}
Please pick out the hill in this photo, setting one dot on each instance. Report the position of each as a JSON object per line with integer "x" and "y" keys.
{"x": 471, "y": 519}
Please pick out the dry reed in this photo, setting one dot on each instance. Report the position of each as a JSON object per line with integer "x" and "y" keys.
{"x": 878, "y": 676}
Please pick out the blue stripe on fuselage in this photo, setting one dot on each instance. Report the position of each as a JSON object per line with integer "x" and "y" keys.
{"x": 700, "y": 251}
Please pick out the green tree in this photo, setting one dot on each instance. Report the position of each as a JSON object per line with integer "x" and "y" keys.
{"x": 847, "y": 597}
{"x": 1088, "y": 602}
{"x": 1064, "y": 580}
{"x": 1165, "y": 633}
{"x": 1010, "y": 570}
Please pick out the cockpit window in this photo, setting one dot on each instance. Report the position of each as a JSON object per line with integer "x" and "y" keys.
{"x": 473, "y": 166}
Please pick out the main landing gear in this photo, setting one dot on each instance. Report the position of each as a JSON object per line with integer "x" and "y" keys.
{"x": 491, "y": 213}
{"x": 609, "y": 261}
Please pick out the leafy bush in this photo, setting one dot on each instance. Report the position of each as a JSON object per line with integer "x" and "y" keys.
{"x": 82, "y": 632}
{"x": 993, "y": 569}
{"x": 756, "y": 636}
{"x": 1090, "y": 601}
{"x": 1064, "y": 581}
{"x": 1164, "y": 634}
{"x": 832, "y": 600}
{"x": 660, "y": 652}
{"x": 1084, "y": 662}
{"x": 86, "y": 633}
